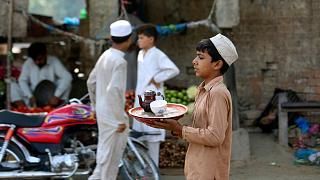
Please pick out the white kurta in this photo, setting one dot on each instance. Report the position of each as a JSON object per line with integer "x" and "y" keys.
{"x": 153, "y": 64}
{"x": 53, "y": 71}
{"x": 16, "y": 93}
{"x": 106, "y": 86}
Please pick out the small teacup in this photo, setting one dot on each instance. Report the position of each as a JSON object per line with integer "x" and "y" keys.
{"x": 158, "y": 107}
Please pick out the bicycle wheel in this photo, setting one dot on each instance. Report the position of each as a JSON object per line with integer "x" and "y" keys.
{"x": 132, "y": 169}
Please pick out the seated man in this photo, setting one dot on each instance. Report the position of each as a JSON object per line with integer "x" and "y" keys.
{"x": 39, "y": 67}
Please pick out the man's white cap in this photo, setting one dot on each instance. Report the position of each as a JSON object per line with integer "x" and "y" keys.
{"x": 120, "y": 28}
{"x": 225, "y": 48}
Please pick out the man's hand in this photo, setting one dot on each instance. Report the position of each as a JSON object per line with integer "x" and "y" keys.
{"x": 155, "y": 83}
{"x": 121, "y": 128}
{"x": 54, "y": 101}
{"x": 169, "y": 124}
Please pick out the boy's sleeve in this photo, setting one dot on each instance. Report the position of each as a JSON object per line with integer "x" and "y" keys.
{"x": 91, "y": 84}
{"x": 117, "y": 88}
{"x": 214, "y": 134}
{"x": 64, "y": 76}
{"x": 24, "y": 79}
{"x": 167, "y": 69}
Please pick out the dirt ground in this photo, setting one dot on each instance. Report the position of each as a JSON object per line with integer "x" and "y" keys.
{"x": 269, "y": 161}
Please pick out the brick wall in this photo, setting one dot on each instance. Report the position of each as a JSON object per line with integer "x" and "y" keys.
{"x": 277, "y": 42}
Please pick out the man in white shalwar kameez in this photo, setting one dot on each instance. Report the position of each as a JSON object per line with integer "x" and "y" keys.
{"x": 106, "y": 86}
{"x": 154, "y": 68}
{"x": 38, "y": 67}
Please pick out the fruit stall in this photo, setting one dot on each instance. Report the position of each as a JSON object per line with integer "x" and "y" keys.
{"x": 181, "y": 96}
{"x": 173, "y": 149}
{"x": 26, "y": 109}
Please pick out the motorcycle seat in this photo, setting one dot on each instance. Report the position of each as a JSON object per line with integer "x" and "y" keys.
{"x": 20, "y": 120}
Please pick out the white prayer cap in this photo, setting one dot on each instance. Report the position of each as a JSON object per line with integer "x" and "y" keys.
{"x": 120, "y": 28}
{"x": 225, "y": 48}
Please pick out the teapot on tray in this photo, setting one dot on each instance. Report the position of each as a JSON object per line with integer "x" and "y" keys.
{"x": 149, "y": 96}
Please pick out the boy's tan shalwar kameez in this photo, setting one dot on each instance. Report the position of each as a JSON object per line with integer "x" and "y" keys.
{"x": 209, "y": 151}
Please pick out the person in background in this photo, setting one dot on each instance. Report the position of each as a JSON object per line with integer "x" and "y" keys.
{"x": 16, "y": 94}
{"x": 209, "y": 152}
{"x": 106, "y": 86}
{"x": 154, "y": 68}
{"x": 39, "y": 67}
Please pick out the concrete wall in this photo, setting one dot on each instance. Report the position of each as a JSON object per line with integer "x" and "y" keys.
{"x": 101, "y": 13}
{"x": 19, "y": 23}
{"x": 277, "y": 42}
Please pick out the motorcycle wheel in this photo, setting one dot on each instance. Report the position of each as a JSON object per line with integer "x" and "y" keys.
{"x": 12, "y": 159}
{"x": 132, "y": 169}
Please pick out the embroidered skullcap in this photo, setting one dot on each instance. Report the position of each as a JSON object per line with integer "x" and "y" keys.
{"x": 225, "y": 48}
{"x": 120, "y": 28}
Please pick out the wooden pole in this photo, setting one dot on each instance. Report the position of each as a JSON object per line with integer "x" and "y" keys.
{"x": 9, "y": 54}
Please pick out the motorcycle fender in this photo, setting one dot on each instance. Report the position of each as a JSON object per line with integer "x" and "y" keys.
{"x": 135, "y": 140}
{"x": 23, "y": 149}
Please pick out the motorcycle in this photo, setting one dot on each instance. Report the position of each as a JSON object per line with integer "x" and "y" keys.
{"x": 61, "y": 144}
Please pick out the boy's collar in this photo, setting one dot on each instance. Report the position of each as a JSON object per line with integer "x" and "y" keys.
{"x": 146, "y": 50}
{"x": 213, "y": 82}
{"x": 118, "y": 51}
